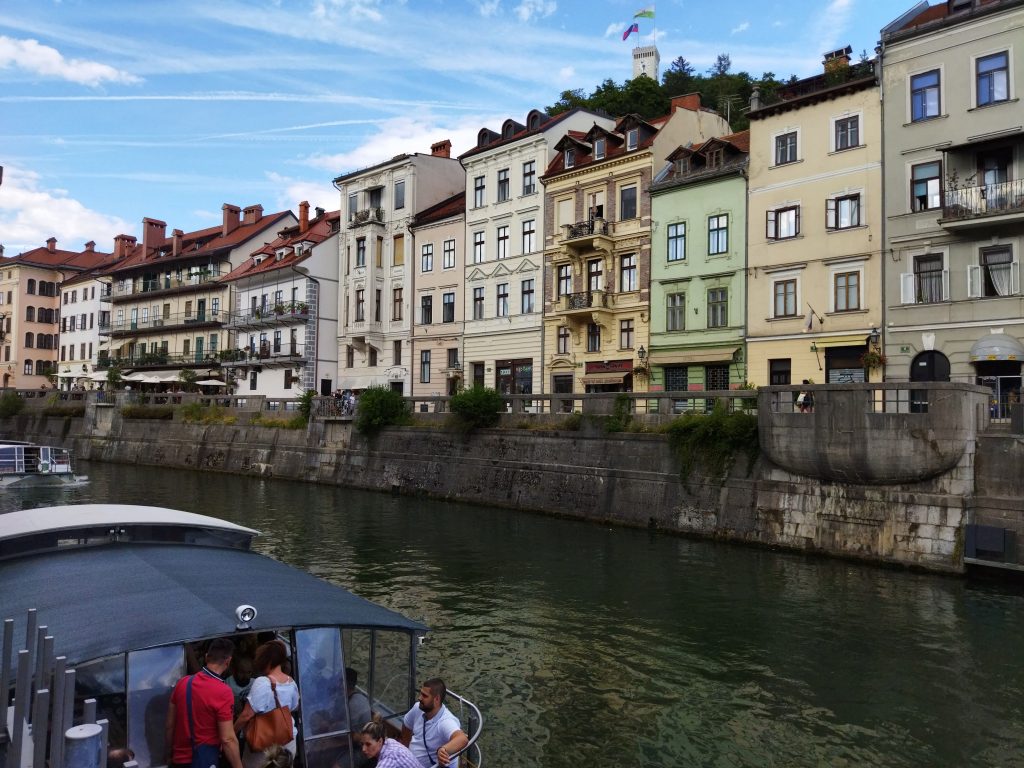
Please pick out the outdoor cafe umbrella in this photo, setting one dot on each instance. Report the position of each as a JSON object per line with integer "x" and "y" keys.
{"x": 209, "y": 383}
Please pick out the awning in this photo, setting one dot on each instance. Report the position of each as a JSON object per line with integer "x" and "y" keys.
{"x": 604, "y": 378}
{"x": 996, "y": 346}
{"x": 708, "y": 355}
{"x": 981, "y": 140}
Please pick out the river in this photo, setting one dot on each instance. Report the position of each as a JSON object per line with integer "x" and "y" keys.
{"x": 593, "y": 646}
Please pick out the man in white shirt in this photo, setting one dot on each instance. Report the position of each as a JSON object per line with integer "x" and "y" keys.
{"x": 430, "y": 730}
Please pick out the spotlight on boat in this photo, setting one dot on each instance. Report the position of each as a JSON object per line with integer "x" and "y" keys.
{"x": 245, "y": 615}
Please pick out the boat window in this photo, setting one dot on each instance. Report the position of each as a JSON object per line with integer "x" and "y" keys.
{"x": 357, "y": 644}
{"x": 321, "y": 675}
{"x": 393, "y": 686}
{"x": 9, "y": 460}
{"x": 103, "y": 680}
{"x": 152, "y": 674}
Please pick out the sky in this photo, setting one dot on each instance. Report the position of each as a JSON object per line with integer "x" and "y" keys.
{"x": 116, "y": 110}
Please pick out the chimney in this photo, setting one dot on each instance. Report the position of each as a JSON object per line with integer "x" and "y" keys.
{"x": 123, "y": 245}
{"x": 303, "y": 217}
{"x": 154, "y": 232}
{"x": 755, "y": 98}
{"x": 838, "y": 58}
{"x": 51, "y": 244}
{"x": 252, "y": 214}
{"x": 690, "y": 101}
{"x": 320, "y": 212}
{"x": 230, "y": 219}
{"x": 90, "y": 246}
{"x": 176, "y": 242}
{"x": 441, "y": 148}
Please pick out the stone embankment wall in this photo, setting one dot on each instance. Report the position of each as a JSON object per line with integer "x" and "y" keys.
{"x": 629, "y": 479}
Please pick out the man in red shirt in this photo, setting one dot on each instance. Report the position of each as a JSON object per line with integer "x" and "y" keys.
{"x": 209, "y": 728}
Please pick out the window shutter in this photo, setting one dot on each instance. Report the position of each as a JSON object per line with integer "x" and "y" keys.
{"x": 770, "y": 224}
{"x": 907, "y": 288}
{"x": 797, "y": 216}
{"x": 973, "y": 281}
{"x": 1014, "y": 278}
{"x": 830, "y": 213}
{"x": 945, "y": 285}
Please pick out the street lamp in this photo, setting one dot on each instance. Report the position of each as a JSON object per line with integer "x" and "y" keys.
{"x": 873, "y": 338}
{"x": 642, "y": 355}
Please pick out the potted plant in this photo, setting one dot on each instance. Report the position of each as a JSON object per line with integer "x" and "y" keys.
{"x": 873, "y": 358}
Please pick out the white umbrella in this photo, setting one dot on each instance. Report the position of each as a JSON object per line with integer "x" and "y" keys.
{"x": 210, "y": 383}
{"x": 97, "y": 376}
{"x": 137, "y": 376}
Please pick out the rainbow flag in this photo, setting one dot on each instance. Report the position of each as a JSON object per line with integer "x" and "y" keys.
{"x": 646, "y": 13}
{"x": 631, "y": 30}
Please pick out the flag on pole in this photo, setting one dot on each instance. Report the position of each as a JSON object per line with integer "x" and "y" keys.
{"x": 631, "y": 30}
{"x": 809, "y": 319}
{"x": 645, "y": 13}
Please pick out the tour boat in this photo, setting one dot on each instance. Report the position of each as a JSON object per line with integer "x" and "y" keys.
{"x": 127, "y": 596}
{"x": 24, "y": 463}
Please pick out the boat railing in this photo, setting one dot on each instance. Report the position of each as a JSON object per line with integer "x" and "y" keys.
{"x": 469, "y": 715}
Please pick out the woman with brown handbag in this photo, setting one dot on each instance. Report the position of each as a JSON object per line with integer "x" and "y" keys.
{"x": 266, "y": 717}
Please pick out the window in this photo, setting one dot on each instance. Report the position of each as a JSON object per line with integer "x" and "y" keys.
{"x": 924, "y": 96}
{"x": 399, "y": 194}
{"x": 676, "y": 242}
{"x": 625, "y": 334}
{"x": 379, "y": 253}
{"x": 627, "y": 273}
{"x": 398, "y": 251}
{"x": 478, "y": 192}
{"x": 928, "y": 279}
{"x": 599, "y": 147}
{"x": 503, "y": 191}
{"x": 992, "y": 74}
{"x": 501, "y": 308}
{"x": 527, "y": 294}
{"x": 478, "y": 247}
{"x": 564, "y": 280}
{"x": 594, "y": 281}
{"x": 426, "y": 310}
{"x": 779, "y": 371}
{"x": 353, "y": 206}
{"x": 448, "y": 308}
{"x": 361, "y": 252}
{"x": 277, "y": 341}
{"x": 562, "y": 345}
{"x": 427, "y": 257}
{"x": 632, "y": 138}
{"x": 287, "y": 378}
{"x": 846, "y": 293}
{"x": 396, "y": 304}
{"x": 360, "y": 305}
{"x": 570, "y": 158}
{"x": 675, "y": 312}
{"x": 350, "y": 356}
{"x": 785, "y": 298}
{"x": 371, "y": 357}
{"x": 30, "y": 286}
{"x": 925, "y": 193}
{"x": 529, "y": 236}
{"x": 847, "y": 133}
{"x": 997, "y": 274}
{"x": 377, "y": 305}
{"x": 425, "y": 366}
{"x": 376, "y": 196}
{"x": 453, "y": 357}
{"x": 529, "y": 177}
{"x": 718, "y": 308}
{"x": 593, "y": 337}
{"x": 718, "y": 234}
{"x": 396, "y": 352}
{"x": 715, "y": 158}
{"x": 785, "y": 148}
{"x": 448, "y": 255}
{"x": 503, "y": 242}
{"x": 842, "y": 212}
{"x": 782, "y": 223}
{"x": 627, "y": 203}
{"x": 478, "y": 303}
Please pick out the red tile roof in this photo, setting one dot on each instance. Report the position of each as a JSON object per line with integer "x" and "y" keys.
{"x": 47, "y": 259}
{"x": 265, "y": 259}
{"x": 445, "y": 209}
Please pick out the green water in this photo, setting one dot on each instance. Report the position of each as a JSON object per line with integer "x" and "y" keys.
{"x": 591, "y": 646}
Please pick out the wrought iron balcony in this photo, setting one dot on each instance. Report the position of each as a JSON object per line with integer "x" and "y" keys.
{"x": 975, "y": 206}
{"x": 582, "y": 303}
{"x": 585, "y": 235}
{"x": 278, "y": 314}
{"x": 366, "y": 216}
{"x": 158, "y": 325}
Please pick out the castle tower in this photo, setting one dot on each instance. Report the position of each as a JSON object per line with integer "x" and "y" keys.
{"x": 646, "y": 61}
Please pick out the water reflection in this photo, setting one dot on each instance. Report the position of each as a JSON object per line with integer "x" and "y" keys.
{"x": 591, "y": 646}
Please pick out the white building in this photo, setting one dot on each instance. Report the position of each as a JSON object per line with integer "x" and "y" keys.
{"x": 80, "y": 320}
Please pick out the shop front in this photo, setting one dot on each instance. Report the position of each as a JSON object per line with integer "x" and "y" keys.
{"x": 608, "y": 376}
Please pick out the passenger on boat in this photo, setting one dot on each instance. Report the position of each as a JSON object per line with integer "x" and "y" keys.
{"x": 276, "y": 757}
{"x": 208, "y": 719}
{"x": 358, "y": 705}
{"x": 240, "y": 682}
{"x": 270, "y": 657}
{"x": 388, "y": 753}
{"x": 430, "y": 730}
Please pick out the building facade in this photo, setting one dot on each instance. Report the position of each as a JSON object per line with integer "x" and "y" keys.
{"x": 954, "y": 153}
{"x": 375, "y": 251}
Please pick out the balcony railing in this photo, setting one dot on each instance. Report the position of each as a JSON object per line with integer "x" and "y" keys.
{"x": 205, "y": 359}
{"x": 366, "y": 216}
{"x": 159, "y": 324}
{"x": 270, "y": 315}
{"x": 986, "y": 200}
{"x": 583, "y": 301}
{"x": 140, "y": 287}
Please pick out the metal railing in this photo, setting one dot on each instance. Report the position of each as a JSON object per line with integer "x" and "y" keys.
{"x": 137, "y": 287}
{"x": 984, "y": 200}
{"x": 470, "y": 715}
{"x": 587, "y": 228}
{"x": 161, "y": 323}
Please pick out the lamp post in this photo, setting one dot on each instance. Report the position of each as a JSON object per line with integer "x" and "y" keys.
{"x": 642, "y": 356}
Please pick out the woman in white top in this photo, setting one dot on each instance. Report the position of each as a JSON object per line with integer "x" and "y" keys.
{"x": 267, "y": 664}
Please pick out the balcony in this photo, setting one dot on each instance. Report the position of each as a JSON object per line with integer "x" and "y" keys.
{"x": 159, "y": 325}
{"x": 262, "y": 317}
{"x": 366, "y": 216}
{"x": 983, "y": 206}
{"x": 590, "y": 235}
{"x": 140, "y": 287}
{"x": 582, "y": 305}
{"x": 266, "y": 354}
{"x": 155, "y": 360}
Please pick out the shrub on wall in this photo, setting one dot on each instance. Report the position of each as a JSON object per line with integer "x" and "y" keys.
{"x": 713, "y": 439}
{"x": 165, "y": 412}
{"x": 298, "y": 421}
{"x": 197, "y": 413}
{"x": 477, "y": 407}
{"x": 64, "y": 410}
{"x": 380, "y": 407}
{"x": 10, "y": 404}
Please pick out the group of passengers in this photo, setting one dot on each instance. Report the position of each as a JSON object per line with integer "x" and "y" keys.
{"x": 209, "y": 711}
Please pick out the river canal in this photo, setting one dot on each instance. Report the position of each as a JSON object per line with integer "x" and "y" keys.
{"x": 587, "y": 645}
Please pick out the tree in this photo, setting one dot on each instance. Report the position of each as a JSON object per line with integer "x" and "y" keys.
{"x": 568, "y": 100}
{"x": 721, "y": 66}
{"x": 645, "y": 97}
{"x": 679, "y": 78}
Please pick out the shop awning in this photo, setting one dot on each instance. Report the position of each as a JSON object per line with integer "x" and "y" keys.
{"x": 708, "y": 355}
{"x": 996, "y": 346}
{"x": 604, "y": 378}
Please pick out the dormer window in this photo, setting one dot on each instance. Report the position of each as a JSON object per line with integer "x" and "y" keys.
{"x": 632, "y": 138}
{"x": 570, "y": 158}
{"x": 599, "y": 148}
{"x": 715, "y": 158}
{"x": 534, "y": 122}
{"x": 682, "y": 165}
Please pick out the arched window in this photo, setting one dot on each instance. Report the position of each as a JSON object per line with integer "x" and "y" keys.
{"x": 483, "y": 137}
{"x": 30, "y": 314}
{"x": 929, "y": 366}
{"x": 30, "y": 340}
{"x": 30, "y": 286}
{"x": 46, "y": 315}
{"x": 28, "y": 367}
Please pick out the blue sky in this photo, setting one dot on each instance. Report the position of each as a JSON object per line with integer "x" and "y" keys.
{"x": 114, "y": 110}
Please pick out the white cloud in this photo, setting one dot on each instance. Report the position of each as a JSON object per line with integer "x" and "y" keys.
{"x": 528, "y": 9}
{"x": 566, "y": 73}
{"x": 742, "y": 27}
{"x": 615, "y": 28}
{"x": 45, "y": 61}
{"x": 829, "y": 27}
{"x": 489, "y": 8}
{"x": 349, "y": 10}
{"x": 30, "y": 213}
{"x": 291, "y": 192}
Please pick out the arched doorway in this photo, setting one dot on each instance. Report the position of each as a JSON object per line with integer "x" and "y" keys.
{"x": 926, "y": 366}
{"x": 997, "y": 359}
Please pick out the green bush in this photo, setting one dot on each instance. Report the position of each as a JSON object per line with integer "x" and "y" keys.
{"x": 572, "y": 422}
{"x": 713, "y": 440}
{"x": 380, "y": 407}
{"x": 622, "y": 414}
{"x": 298, "y": 421}
{"x": 197, "y": 413}
{"x": 306, "y": 405}
{"x": 477, "y": 407}
{"x": 10, "y": 404}
{"x": 165, "y": 412}
{"x": 64, "y": 410}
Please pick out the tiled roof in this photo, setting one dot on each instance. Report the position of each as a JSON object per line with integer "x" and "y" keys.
{"x": 44, "y": 257}
{"x": 523, "y": 133}
{"x": 265, "y": 258}
{"x": 941, "y": 15}
{"x": 613, "y": 150}
{"x": 445, "y": 209}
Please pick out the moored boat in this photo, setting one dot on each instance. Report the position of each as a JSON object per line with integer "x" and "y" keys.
{"x": 23, "y": 463}
{"x": 130, "y": 596}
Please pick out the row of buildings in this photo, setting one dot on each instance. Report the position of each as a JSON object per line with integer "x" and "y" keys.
{"x": 867, "y": 225}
